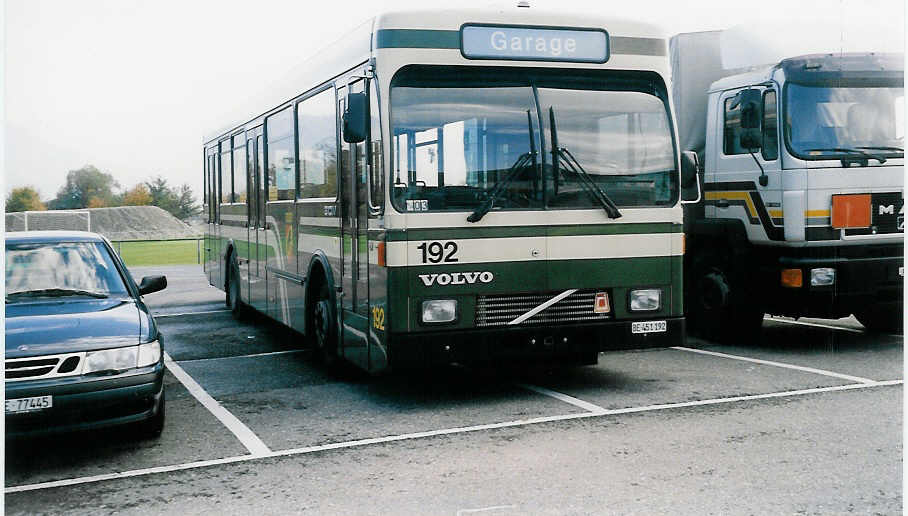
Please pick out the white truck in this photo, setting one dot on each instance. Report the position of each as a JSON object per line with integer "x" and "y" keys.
{"x": 802, "y": 181}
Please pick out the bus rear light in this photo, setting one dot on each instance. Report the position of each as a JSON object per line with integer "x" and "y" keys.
{"x": 851, "y": 211}
{"x": 382, "y": 256}
{"x": 792, "y": 278}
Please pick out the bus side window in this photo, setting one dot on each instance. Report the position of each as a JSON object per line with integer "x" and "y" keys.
{"x": 317, "y": 127}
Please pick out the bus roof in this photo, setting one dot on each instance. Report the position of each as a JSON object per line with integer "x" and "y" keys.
{"x": 358, "y": 45}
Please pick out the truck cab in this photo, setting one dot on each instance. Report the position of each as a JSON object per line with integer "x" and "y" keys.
{"x": 802, "y": 210}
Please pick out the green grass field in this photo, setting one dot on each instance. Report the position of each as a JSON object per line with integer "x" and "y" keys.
{"x": 172, "y": 252}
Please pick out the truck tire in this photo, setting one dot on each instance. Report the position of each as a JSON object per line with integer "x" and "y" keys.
{"x": 719, "y": 307}
{"x": 882, "y": 319}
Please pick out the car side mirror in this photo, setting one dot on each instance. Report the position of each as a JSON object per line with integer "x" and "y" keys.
{"x": 356, "y": 118}
{"x": 151, "y": 284}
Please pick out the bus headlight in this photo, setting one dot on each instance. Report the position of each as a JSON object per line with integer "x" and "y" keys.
{"x": 645, "y": 300}
{"x": 439, "y": 310}
{"x": 822, "y": 277}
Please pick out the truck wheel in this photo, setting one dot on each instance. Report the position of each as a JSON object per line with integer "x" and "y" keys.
{"x": 324, "y": 326}
{"x": 718, "y": 306}
{"x": 234, "y": 296}
{"x": 882, "y": 319}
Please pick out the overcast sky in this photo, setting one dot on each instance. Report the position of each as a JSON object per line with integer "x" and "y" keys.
{"x": 132, "y": 86}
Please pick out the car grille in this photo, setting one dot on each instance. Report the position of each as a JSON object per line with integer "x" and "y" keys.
{"x": 500, "y": 309}
{"x": 49, "y": 366}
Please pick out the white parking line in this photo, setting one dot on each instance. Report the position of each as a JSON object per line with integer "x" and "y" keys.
{"x": 242, "y": 432}
{"x": 158, "y": 316}
{"x": 585, "y": 405}
{"x": 778, "y": 364}
{"x": 461, "y": 512}
{"x": 287, "y": 352}
{"x": 816, "y": 325}
{"x": 435, "y": 433}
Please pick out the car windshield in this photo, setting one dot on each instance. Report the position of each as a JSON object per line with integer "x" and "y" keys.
{"x": 60, "y": 269}
{"x": 824, "y": 122}
{"x": 465, "y": 137}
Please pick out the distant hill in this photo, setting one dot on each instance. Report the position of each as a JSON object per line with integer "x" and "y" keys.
{"x": 120, "y": 223}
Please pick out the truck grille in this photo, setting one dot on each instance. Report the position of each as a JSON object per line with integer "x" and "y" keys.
{"x": 500, "y": 309}
{"x": 50, "y": 366}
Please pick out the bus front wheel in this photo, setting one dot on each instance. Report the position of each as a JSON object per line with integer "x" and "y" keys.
{"x": 323, "y": 326}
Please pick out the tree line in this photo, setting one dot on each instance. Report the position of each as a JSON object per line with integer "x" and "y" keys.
{"x": 88, "y": 187}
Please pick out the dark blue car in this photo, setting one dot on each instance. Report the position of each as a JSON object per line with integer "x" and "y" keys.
{"x": 82, "y": 350}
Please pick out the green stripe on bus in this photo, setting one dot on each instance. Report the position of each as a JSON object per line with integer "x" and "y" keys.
{"x": 450, "y": 39}
{"x": 530, "y": 231}
{"x": 417, "y": 38}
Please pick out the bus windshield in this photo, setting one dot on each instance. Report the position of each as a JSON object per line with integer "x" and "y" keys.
{"x": 464, "y": 137}
{"x": 829, "y": 122}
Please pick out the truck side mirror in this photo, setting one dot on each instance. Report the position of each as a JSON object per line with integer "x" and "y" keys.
{"x": 690, "y": 180}
{"x": 750, "y": 101}
{"x": 356, "y": 118}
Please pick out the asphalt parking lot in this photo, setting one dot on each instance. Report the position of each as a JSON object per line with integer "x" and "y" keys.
{"x": 807, "y": 421}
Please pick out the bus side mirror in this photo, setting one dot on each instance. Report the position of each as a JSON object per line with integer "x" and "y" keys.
{"x": 356, "y": 118}
{"x": 690, "y": 181}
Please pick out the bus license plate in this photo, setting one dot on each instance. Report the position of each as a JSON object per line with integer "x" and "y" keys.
{"x": 649, "y": 327}
{"x": 29, "y": 404}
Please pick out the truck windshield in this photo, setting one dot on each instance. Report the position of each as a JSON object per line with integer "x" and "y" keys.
{"x": 833, "y": 122}
{"x": 467, "y": 137}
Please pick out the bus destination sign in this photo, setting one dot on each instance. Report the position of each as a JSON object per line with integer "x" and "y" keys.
{"x": 534, "y": 44}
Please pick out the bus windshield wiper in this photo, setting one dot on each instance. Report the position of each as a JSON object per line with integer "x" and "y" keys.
{"x": 563, "y": 157}
{"x": 858, "y": 151}
{"x": 527, "y": 158}
{"x": 55, "y": 292}
{"x": 882, "y": 148}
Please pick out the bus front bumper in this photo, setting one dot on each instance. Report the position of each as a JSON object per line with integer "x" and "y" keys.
{"x": 528, "y": 343}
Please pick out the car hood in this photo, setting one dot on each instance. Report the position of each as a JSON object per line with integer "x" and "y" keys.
{"x": 51, "y": 327}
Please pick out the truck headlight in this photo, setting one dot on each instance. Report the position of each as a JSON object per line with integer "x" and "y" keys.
{"x": 646, "y": 300}
{"x": 439, "y": 310}
{"x": 822, "y": 277}
{"x": 113, "y": 360}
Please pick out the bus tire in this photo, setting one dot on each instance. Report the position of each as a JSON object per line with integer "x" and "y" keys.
{"x": 878, "y": 319}
{"x": 234, "y": 294}
{"x": 324, "y": 328}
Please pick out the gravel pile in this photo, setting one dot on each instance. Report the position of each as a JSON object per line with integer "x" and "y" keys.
{"x": 120, "y": 223}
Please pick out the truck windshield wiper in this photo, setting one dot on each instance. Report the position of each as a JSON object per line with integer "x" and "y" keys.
{"x": 527, "y": 158}
{"x": 858, "y": 151}
{"x": 562, "y": 156}
{"x": 55, "y": 292}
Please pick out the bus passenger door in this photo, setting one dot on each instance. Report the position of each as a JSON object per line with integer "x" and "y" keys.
{"x": 354, "y": 216}
{"x": 256, "y": 198}
{"x": 211, "y": 194}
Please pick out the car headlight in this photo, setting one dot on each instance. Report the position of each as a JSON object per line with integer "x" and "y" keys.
{"x": 149, "y": 353}
{"x": 117, "y": 359}
{"x": 645, "y": 300}
{"x": 439, "y": 310}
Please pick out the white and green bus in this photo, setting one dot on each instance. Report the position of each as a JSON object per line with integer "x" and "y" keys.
{"x": 459, "y": 186}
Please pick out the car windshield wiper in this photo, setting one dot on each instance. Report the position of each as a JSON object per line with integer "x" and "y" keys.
{"x": 55, "y": 292}
{"x": 562, "y": 156}
{"x": 864, "y": 154}
{"x": 527, "y": 158}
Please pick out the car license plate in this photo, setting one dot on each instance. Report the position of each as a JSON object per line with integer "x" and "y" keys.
{"x": 29, "y": 404}
{"x": 649, "y": 327}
